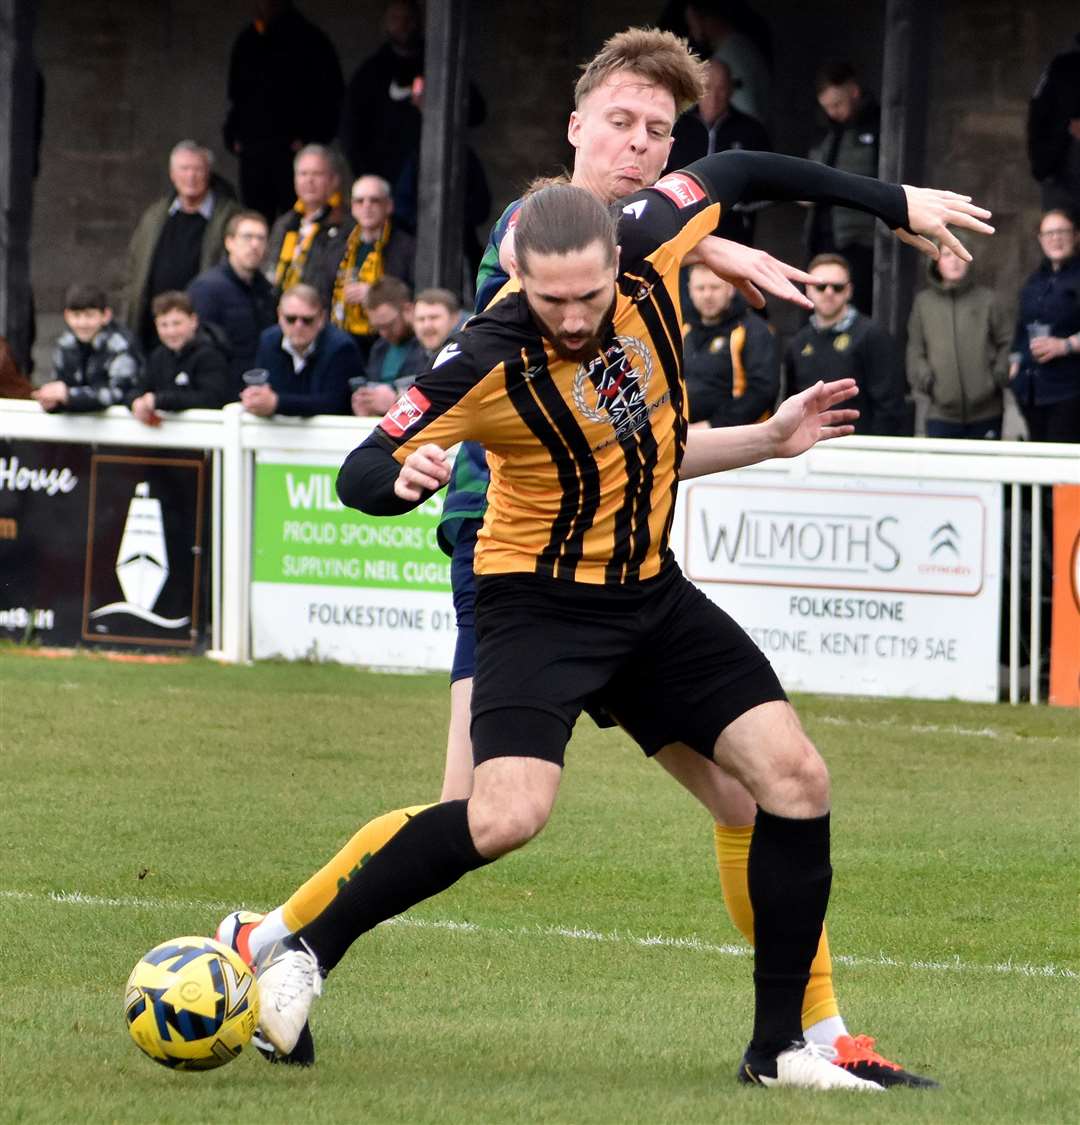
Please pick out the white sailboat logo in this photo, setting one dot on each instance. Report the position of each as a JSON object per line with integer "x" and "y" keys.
{"x": 142, "y": 563}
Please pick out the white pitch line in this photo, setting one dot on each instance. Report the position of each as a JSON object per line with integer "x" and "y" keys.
{"x": 930, "y": 728}
{"x": 574, "y": 933}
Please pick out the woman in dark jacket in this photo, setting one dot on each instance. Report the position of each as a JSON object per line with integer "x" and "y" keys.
{"x": 1045, "y": 370}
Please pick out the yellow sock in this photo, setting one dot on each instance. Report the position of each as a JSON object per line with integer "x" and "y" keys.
{"x": 316, "y": 894}
{"x": 732, "y": 856}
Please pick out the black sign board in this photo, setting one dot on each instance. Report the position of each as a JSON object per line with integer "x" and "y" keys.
{"x": 102, "y": 547}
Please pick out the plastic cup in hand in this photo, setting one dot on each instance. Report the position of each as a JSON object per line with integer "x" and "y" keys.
{"x": 256, "y": 377}
{"x": 1037, "y": 329}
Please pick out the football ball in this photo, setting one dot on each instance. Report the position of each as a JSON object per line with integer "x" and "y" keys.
{"x": 191, "y": 1004}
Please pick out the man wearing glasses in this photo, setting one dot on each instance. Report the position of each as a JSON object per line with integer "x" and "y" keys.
{"x": 377, "y": 248}
{"x": 308, "y": 363}
{"x": 841, "y": 343}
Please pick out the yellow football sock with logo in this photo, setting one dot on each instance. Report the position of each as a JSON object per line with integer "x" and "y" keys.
{"x": 732, "y": 855}
{"x": 318, "y": 892}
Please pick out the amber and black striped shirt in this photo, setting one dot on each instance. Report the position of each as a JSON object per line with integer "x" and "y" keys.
{"x": 585, "y": 457}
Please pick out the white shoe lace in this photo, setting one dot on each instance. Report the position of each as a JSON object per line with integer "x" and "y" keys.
{"x": 301, "y": 977}
{"x": 818, "y": 1050}
{"x": 810, "y": 1066}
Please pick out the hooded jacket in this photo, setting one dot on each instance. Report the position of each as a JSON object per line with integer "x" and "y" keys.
{"x": 958, "y": 349}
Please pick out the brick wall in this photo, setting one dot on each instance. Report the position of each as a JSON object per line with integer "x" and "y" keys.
{"x": 126, "y": 79}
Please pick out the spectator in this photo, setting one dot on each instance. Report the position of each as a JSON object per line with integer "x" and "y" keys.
{"x": 850, "y": 144}
{"x": 1053, "y": 131}
{"x": 13, "y": 383}
{"x": 177, "y": 237}
{"x": 841, "y": 343}
{"x": 380, "y": 124}
{"x": 307, "y": 244}
{"x": 436, "y": 314}
{"x": 958, "y": 351}
{"x": 1045, "y": 373}
{"x": 715, "y": 125}
{"x": 729, "y": 356}
{"x": 396, "y": 354}
{"x": 309, "y": 362}
{"x": 713, "y": 23}
{"x": 96, "y": 361}
{"x": 284, "y": 89}
{"x": 376, "y": 247}
{"x": 234, "y": 296}
{"x": 186, "y": 371}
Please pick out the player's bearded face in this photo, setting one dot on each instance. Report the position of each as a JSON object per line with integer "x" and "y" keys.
{"x": 572, "y": 298}
{"x": 622, "y": 134}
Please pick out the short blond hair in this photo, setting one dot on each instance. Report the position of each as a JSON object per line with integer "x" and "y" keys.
{"x": 659, "y": 57}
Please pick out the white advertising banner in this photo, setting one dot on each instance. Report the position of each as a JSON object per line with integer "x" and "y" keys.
{"x": 868, "y": 587}
{"x": 330, "y": 583}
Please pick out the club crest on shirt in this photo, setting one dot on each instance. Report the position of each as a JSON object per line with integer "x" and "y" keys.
{"x": 405, "y": 413}
{"x": 717, "y": 345}
{"x": 842, "y": 342}
{"x": 612, "y": 387}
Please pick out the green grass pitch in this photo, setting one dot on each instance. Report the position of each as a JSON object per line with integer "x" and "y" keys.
{"x": 592, "y": 977}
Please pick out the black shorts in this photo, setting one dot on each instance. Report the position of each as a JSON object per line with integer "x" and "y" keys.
{"x": 665, "y": 662}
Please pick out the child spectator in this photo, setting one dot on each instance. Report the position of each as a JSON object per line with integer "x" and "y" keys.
{"x": 95, "y": 362}
{"x": 187, "y": 370}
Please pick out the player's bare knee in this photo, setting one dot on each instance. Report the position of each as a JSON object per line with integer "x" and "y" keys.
{"x": 498, "y": 828}
{"x": 796, "y": 780}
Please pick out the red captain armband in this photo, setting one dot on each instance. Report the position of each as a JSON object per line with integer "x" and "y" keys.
{"x": 683, "y": 190}
{"x": 405, "y": 413}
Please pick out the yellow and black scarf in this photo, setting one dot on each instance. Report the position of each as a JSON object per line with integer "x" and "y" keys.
{"x": 294, "y": 249}
{"x": 352, "y": 317}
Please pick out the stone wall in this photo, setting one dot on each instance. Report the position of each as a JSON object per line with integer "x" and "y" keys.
{"x": 126, "y": 79}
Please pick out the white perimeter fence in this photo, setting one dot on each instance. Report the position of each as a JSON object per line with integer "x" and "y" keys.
{"x": 814, "y": 556}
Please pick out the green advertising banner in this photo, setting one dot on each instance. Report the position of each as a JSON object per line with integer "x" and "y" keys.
{"x": 304, "y": 535}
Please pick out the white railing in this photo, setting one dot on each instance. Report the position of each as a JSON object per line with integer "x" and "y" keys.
{"x": 234, "y": 438}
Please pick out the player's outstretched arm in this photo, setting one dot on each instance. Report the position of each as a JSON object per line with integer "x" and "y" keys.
{"x": 750, "y": 271}
{"x": 742, "y": 176}
{"x": 799, "y": 423}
